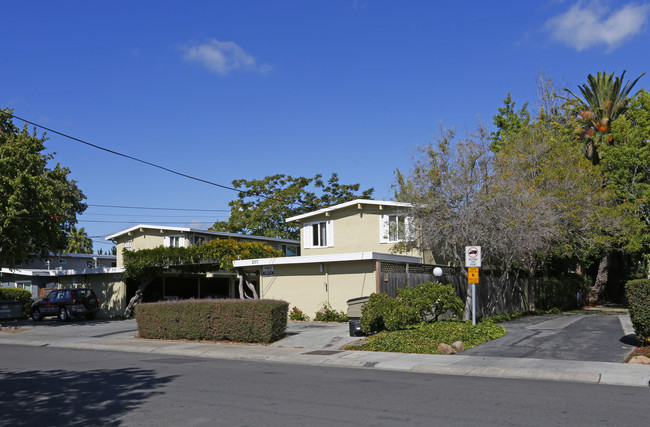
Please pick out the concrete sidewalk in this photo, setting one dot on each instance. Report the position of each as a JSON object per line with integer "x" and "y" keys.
{"x": 313, "y": 350}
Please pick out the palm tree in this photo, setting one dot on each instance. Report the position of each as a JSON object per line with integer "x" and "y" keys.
{"x": 79, "y": 242}
{"x": 604, "y": 98}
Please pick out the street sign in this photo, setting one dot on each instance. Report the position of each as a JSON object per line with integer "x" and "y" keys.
{"x": 472, "y": 256}
{"x": 472, "y": 275}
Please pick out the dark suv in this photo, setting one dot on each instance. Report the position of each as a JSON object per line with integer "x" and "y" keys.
{"x": 67, "y": 304}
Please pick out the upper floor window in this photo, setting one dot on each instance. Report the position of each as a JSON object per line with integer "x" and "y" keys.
{"x": 174, "y": 241}
{"x": 197, "y": 240}
{"x": 319, "y": 234}
{"x": 288, "y": 250}
{"x": 394, "y": 228}
{"x": 128, "y": 244}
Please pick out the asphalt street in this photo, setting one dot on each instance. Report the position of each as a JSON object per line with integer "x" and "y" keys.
{"x": 75, "y": 387}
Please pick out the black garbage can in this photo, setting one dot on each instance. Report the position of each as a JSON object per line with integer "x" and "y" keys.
{"x": 354, "y": 315}
{"x": 11, "y": 309}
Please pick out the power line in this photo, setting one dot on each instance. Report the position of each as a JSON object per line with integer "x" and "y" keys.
{"x": 121, "y": 154}
{"x": 159, "y": 208}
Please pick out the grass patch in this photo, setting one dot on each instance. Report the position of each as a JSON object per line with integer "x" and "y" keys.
{"x": 424, "y": 338}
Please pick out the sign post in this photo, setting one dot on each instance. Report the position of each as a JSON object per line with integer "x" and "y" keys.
{"x": 473, "y": 262}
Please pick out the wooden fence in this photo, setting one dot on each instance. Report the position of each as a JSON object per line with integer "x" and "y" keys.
{"x": 491, "y": 297}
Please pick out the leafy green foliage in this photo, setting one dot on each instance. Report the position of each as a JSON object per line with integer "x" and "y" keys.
{"x": 297, "y": 314}
{"x": 39, "y": 205}
{"x": 263, "y": 205}
{"x": 328, "y": 314}
{"x": 626, "y": 167}
{"x": 262, "y": 321}
{"x": 638, "y": 297}
{"x": 21, "y": 295}
{"x": 604, "y": 99}
{"x": 79, "y": 242}
{"x": 218, "y": 254}
{"x": 425, "y": 337}
{"x": 566, "y": 292}
{"x": 508, "y": 121}
{"x": 425, "y": 302}
{"x": 432, "y": 299}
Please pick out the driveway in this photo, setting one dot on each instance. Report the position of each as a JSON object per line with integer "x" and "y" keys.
{"x": 588, "y": 336}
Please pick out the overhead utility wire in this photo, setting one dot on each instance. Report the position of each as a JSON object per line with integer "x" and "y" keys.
{"x": 121, "y": 154}
{"x": 160, "y": 209}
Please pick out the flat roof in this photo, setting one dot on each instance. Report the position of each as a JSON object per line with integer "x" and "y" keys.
{"x": 198, "y": 231}
{"x": 348, "y": 204}
{"x": 312, "y": 259}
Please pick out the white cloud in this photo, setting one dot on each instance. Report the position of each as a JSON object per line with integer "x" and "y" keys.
{"x": 223, "y": 57}
{"x": 589, "y": 24}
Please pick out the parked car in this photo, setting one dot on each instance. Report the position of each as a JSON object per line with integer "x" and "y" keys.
{"x": 67, "y": 304}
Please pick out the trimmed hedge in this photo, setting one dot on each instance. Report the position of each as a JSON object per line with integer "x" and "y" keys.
{"x": 21, "y": 295}
{"x": 252, "y": 321}
{"x": 638, "y": 298}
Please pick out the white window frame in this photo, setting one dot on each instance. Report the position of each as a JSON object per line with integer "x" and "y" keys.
{"x": 386, "y": 235}
{"x": 174, "y": 241}
{"x": 308, "y": 234}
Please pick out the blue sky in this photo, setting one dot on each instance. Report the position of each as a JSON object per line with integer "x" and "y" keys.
{"x": 243, "y": 89}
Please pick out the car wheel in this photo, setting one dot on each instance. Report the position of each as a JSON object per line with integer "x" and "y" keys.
{"x": 64, "y": 316}
{"x": 36, "y": 315}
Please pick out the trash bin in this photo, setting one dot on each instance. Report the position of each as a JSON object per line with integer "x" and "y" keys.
{"x": 354, "y": 315}
{"x": 11, "y": 309}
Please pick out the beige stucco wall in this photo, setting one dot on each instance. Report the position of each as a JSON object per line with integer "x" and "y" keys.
{"x": 108, "y": 287}
{"x": 355, "y": 230}
{"x": 306, "y": 287}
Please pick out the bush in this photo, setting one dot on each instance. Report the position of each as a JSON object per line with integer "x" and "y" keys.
{"x": 261, "y": 321}
{"x": 297, "y": 314}
{"x": 382, "y": 312}
{"x": 425, "y": 337}
{"x": 17, "y": 294}
{"x": 638, "y": 298}
{"x": 432, "y": 299}
{"x": 328, "y": 314}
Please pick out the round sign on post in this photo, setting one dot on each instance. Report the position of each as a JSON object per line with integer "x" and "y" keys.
{"x": 472, "y": 256}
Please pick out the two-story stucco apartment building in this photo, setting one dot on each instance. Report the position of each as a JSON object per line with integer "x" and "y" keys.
{"x": 173, "y": 284}
{"x": 347, "y": 251}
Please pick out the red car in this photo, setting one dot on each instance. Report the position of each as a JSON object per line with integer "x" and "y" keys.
{"x": 67, "y": 304}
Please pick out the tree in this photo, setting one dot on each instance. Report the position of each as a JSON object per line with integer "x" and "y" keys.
{"x": 604, "y": 99}
{"x": 626, "y": 167}
{"x": 508, "y": 121}
{"x": 534, "y": 199}
{"x": 263, "y": 205}
{"x": 38, "y": 205}
{"x": 79, "y": 242}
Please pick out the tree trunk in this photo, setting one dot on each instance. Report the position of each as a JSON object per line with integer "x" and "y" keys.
{"x": 598, "y": 289}
{"x": 243, "y": 278}
{"x": 137, "y": 298}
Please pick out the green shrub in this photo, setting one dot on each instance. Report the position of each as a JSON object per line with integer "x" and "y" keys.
{"x": 328, "y": 314}
{"x": 22, "y": 295}
{"x": 297, "y": 314}
{"x": 424, "y": 338}
{"x": 638, "y": 298}
{"x": 432, "y": 299}
{"x": 261, "y": 321}
{"x": 373, "y": 312}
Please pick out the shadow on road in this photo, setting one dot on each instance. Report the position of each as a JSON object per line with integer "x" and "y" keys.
{"x": 75, "y": 398}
